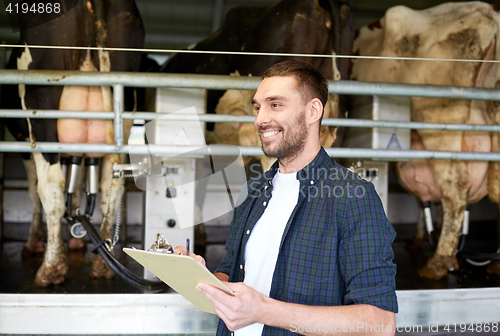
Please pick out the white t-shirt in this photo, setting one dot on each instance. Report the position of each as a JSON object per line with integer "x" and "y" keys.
{"x": 262, "y": 248}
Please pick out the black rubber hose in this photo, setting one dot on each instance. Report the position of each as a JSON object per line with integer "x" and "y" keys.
{"x": 461, "y": 242}
{"x": 89, "y": 210}
{"x": 483, "y": 256}
{"x": 65, "y": 161}
{"x": 124, "y": 273}
{"x": 116, "y": 266}
{"x": 68, "y": 203}
{"x": 120, "y": 269}
{"x": 432, "y": 241}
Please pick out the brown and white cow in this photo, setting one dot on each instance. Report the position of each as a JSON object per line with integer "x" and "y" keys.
{"x": 109, "y": 23}
{"x": 468, "y": 30}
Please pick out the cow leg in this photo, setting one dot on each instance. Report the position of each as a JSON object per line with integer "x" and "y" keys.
{"x": 50, "y": 190}
{"x": 37, "y": 235}
{"x": 454, "y": 184}
{"x": 99, "y": 267}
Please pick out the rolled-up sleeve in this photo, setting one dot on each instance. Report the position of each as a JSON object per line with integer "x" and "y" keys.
{"x": 366, "y": 253}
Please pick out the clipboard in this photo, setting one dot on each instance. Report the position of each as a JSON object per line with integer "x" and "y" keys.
{"x": 180, "y": 272}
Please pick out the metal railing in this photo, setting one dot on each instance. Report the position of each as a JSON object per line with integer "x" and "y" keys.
{"x": 120, "y": 79}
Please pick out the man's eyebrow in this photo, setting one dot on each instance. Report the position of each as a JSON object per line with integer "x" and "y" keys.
{"x": 272, "y": 98}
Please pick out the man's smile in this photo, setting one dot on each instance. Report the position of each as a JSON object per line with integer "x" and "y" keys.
{"x": 269, "y": 135}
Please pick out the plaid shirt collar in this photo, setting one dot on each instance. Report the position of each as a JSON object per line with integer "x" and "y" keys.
{"x": 304, "y": 175}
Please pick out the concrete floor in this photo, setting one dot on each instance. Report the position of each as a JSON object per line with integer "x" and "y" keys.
{"x": 17, "y": 273}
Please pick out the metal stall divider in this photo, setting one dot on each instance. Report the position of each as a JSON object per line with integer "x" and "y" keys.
{"x": 153, "y": 315}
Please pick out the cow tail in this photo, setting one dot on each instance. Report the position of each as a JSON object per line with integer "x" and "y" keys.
{"x": 100, "y": 23}
{"x": 101, "y": 38}
{"x": 23, "y": 63}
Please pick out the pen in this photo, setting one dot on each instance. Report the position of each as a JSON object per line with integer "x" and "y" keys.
{"x": 187, "y": 246}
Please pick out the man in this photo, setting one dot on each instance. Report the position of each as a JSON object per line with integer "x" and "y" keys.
{"x": 309, "y": 249}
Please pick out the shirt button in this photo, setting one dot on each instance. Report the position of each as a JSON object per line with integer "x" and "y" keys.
{"x": 265, "y": 187}
{"x": 265, "y": 203}
{"x": 269, "y": 182}
{"x": 312, "y": 182}
{"x": 241, "y": 266}
{"x": 248, "y": 231}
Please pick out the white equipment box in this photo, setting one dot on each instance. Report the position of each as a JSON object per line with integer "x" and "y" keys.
{"x": 170, "y": 188}
{"x": 389, "y": 108}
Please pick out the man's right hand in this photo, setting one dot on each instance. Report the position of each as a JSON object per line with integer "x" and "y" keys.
{"x": 182, "y": 251}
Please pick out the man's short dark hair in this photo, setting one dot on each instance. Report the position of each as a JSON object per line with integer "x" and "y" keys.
{"x": 310, "y": 81}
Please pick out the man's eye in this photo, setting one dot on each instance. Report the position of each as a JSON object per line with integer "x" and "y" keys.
{"x": 275, "y": 105}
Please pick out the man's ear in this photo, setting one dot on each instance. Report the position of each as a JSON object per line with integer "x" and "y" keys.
{"x": 315, "y": 111}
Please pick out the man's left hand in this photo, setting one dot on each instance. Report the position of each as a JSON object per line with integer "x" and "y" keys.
{"x": 244, "y": 308}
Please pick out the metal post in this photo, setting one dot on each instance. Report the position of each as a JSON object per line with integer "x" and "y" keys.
{"x": 118, "y": 108}
{"x": 2, "y": 135}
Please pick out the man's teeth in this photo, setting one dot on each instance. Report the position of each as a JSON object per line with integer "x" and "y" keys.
{"x": 269, "y": 134}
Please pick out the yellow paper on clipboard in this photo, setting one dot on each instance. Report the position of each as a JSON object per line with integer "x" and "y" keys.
{"x": 180, "y": 272}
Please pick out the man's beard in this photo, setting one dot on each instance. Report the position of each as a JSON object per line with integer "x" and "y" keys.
{"x": 292, "y": 141}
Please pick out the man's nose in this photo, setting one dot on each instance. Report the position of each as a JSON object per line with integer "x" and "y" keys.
{"x": 262, "y": 118}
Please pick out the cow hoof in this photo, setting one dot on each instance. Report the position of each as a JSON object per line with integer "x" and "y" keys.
{"x": 31, "y": 250}
{"x": 76, "y": 244}
{"x": 100, "y": 269}
{"x": 494, "y": 267}
{"x": 51, "y": 275}
{"x": 438, "y": 266}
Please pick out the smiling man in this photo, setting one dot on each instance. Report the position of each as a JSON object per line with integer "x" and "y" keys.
{"x": 309, "y": 249}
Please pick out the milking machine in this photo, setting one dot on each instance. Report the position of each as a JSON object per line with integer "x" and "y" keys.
{"x": 81, "y": 224}
{"x": 475, "y": 259}
{"x": 168, "y": 183}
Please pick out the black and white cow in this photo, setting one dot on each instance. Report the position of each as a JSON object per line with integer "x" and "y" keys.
{"x": 109, "y": 23}
{"x": 289, "y": 26}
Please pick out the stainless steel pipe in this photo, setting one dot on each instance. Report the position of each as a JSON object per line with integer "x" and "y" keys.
{"x": 391, "y": 155}
{"x": 217, "y": 82}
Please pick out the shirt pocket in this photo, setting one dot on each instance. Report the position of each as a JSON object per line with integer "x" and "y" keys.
{"x": 311, "y": 270}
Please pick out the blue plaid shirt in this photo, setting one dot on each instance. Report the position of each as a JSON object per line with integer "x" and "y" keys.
{"x": 335, "y": 249}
